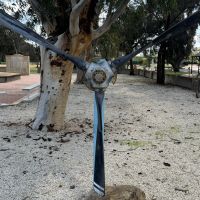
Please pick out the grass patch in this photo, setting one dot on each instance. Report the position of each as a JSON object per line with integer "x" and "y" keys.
{"x": 33, "y": 68}
{"x": 171, "y": 130}
{"x": 135, "y": 143}
{"x": 174, "y": 129}
{"x": 159, "y": 135}
{"x": 171, "y": 73}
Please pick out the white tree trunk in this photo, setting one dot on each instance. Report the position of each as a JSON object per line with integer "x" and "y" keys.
{"x": 55, "y": 86}
{"x": 55, "y": 83}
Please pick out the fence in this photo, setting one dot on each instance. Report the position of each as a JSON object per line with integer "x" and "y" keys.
{"x": 182, "y": 81}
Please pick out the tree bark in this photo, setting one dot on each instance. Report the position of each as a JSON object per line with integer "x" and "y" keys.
{"x": 79, "y": 77}
{"x": 131, "y": 67}
{"x": 80, "y": 73}
{"x": 162, "y": 57}
{"x": 55, "y": 85}
{"x": 176, "y": 65}
{"x": 161, "y": 64}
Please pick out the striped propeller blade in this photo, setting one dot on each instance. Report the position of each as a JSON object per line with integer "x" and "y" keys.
{"x": 99, "y": 169}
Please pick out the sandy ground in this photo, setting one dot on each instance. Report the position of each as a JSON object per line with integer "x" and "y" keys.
{"x": 152, "y": 140}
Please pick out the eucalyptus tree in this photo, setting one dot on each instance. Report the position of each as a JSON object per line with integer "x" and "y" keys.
{"x": 132, "y": 29}
{"x": 163, "y": 14}
{"x": 72, "y": 25}
{"x": 180, "y": 48}
{"x": 127, "y": 33}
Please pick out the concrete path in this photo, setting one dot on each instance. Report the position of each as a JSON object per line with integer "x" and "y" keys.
{"x": 14, "y": 92}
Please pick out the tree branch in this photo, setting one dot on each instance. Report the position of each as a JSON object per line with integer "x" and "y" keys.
{"x": 73, "y": 2}
{"x": 109, "y": 21}
{"x": 36, "y": 6}
{"x": 74, "y": 16}
{"x": 47, "y": 23}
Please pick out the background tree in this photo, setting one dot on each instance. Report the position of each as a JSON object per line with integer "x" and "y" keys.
{"x": 12, "y": 43}
{"x": 132, "y": 29}
{"x": 126, "y": 34}
{"x": 180, "y": 48}
{"x": 164, "y": 14}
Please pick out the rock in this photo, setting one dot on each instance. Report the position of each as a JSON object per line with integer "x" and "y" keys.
{"x": 72, "y": 187}
{"x": 63, "y": 140}
{"x": 28, "y": 136}
{"x": 7, "y": 139}
{"x": 123, "y": 192}
{"x": 167, "y": 164}
{"x": 44, "y": 139}
{"x": 38, "y": 138}
{"x": 53, "y": 148}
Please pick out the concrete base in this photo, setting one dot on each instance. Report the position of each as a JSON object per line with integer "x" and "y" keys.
{"x": 123, "y": 192}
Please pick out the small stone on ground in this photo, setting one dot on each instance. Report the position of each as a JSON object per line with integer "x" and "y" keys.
{"x": 123, "y": 192}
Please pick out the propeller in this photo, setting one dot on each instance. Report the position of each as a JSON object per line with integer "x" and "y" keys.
{"x": 16, "y": 26}
{"x": 171, "y": 32}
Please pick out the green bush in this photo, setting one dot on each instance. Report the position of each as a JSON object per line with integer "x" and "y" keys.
{"x": 138, "y": 60}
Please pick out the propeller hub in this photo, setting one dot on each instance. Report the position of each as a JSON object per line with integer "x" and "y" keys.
{"x": 98, "y": 75}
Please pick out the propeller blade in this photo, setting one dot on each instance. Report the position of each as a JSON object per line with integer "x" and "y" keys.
{"x": 171, "y": 32}
{"x": 16, "y": 26}
{"x": 99, "y": 170}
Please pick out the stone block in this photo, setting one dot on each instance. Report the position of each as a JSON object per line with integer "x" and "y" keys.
{"x": 123, "y": 192}
{"x": 18, "y": 63}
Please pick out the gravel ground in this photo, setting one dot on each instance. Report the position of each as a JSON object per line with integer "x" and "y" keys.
{"x": 152, "y": 141}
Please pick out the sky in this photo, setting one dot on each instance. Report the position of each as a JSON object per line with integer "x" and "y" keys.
{"x": 197, "y": 38}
